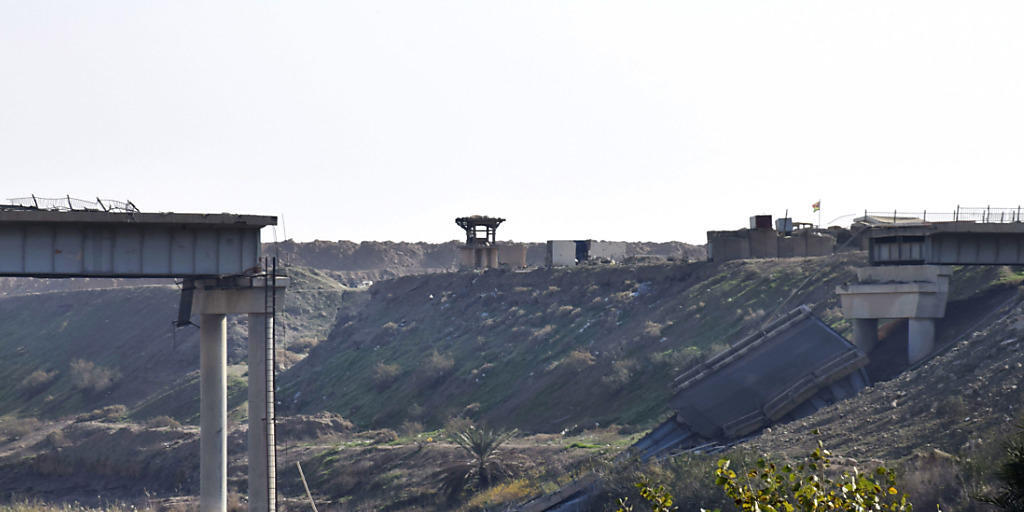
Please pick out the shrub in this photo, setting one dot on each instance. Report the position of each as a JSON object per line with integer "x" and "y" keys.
{"x": 384, "y": 435}
{"x": 457, "y": 424}
{"x": 109, "y": 413}
{"x": 163, "y": 421}
{"x": 807, "y": 486}
{"x": 1010, "y": 474}
{"x": 578, "y": 360}
{"x": 90, "y": 377}
{"x": 621, "y": 373}
{"x": 507, "y": 493}
{"x": 652, "y": 329}
{"x": 14, "y": 428}
{"x": 437, "y": 365}
{"x": 411, "y": 428}
{"x": 543, "y": 332}
{"x": 37, "y": 381}
{"x": 385, "y": 374}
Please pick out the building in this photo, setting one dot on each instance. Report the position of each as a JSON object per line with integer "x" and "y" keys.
{"x": 785, "y": 239}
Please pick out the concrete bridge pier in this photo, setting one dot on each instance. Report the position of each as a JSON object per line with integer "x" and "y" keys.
{"x": 865, "y": 333}
{"x": 215, "y": 299}
{"x": 920, "y": 338}
{"x": 915, "y": 292}
{"x": 213, "y": 415}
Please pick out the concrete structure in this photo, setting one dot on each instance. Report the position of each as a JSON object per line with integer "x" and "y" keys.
{"x": 786, "y": 370}
{"x": 560, "y": 253}
{"x": 915, "y": 292}
{"x": 764, "y": 241}
{"x": 947, "y": 243}
{"x": 481, "y": 249}
{"x": 767, "y": 377}
{"x": 218, "y": 257}
{"x": 216, "y": 298}
{"x": 567, "y": 253}
{"x": 42, "y": 243}
{"x": 512, "y": 256}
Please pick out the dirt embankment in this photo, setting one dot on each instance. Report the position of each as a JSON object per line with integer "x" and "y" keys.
{"x": 548, "y": 349}
{"x": 374, "y": 261}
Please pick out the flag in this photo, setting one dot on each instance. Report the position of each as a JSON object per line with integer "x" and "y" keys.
{"x": 817, "y": 206}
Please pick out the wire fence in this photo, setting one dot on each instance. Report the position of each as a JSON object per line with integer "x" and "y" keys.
{"x": 71, "y": 204}
{"x": 986, "y": 214}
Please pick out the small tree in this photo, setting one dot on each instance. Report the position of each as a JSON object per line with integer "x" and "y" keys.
{"x": 1010, "y": 475}
{"x": 484, "y": 467}
{"x": 88, "y": 376}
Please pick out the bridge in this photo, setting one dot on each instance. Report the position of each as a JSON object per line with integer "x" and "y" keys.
{"x": 218, "y": 258}
{"x": 912, "y": 259}
{"x": 947, "y": 243}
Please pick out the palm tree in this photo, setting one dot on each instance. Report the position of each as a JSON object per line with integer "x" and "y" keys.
{"x": 483, "y": 468}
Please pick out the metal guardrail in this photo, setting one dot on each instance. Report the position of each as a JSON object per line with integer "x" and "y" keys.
{"x": 985, "y": 214}
{"x": 71, "y": 204}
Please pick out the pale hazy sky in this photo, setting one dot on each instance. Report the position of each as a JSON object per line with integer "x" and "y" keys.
{"x": 611, "y": 120}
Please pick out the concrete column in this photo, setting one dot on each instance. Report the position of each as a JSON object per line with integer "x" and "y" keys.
{"x": 920, "y": 338}
{"x": 262, "y": 483}
{"x": 865, "y": 333}
{"x": 213, "y": 413}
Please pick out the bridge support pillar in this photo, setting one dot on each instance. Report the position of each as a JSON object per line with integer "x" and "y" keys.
{"x": 865, "y": 333}
{"x": 915, "y": 292}
{"x": 920, "y": 338}
{"x": 215, "y": 299}
{"x": 213, "y": 417}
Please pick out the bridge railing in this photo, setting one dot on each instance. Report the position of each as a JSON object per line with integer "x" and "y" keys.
{"x": 961, "y": 214}
{"x": 71, "y": 204}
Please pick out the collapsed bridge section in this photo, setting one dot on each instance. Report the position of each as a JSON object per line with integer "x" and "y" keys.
{"x": 786, "y": 370}
{"x": 789, "y": 369}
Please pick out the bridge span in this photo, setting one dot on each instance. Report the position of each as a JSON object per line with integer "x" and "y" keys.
{"x": 947, "y": 243}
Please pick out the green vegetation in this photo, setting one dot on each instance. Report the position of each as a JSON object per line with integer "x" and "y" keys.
{"x": 484, "y": 467}
{"x": 808, "y": 486}
{"x": 1010, "y": 475}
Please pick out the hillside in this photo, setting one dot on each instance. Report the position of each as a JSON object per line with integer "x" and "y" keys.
{"x": 553, "y": 348}
{"x": 69, "y": 352}
{"x": 579, "y": 359}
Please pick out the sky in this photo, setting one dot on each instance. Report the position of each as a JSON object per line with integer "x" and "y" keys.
{"x": 613, "y": 120}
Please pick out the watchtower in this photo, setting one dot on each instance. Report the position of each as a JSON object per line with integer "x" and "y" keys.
{"x": 481, "y": 250}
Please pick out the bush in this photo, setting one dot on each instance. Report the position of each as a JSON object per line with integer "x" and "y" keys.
{"x": 437, "y": 365}
{"x": 808, "y": 486}
{"x": 385, "y": 374}
{"x": 578, "y": 360}
{"x": 163, "y": 421}
{"x": 411, "y": 428}
{"x": 37, "y": 381}
{"x": 15, "y": 428}
{"x": 652, "y": 329}
{"x": 621, "y": 373}
{"x": 502, "y": 495}
{"x": 1010, "y": 474}
{"x": 114, "y": 412}
{"x": 90, "y": 377}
